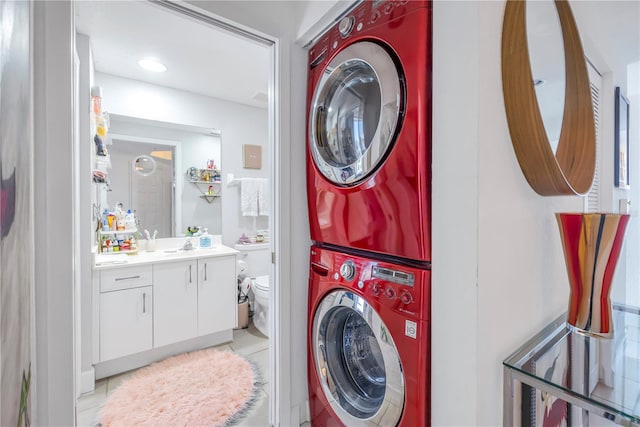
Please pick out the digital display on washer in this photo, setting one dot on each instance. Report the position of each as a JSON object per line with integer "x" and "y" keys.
{"x": 395, "y": 276}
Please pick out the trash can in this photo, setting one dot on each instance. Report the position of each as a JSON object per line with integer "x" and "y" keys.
{"x": 243, "y": 314}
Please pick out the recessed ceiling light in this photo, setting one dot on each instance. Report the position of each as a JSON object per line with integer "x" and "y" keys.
{"x": 152, "y": 65}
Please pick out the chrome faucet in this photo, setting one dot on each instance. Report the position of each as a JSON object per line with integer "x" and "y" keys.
{"x": 188, "y": 246}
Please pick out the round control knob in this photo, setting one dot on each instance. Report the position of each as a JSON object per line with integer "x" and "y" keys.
{"x": 348, "y": 270}
{"x": 345, "y": 26}
{"x": 388, "y": 8}
{"x": 406, "y": 297}
{"x": 375, "y": 288}
{"x": 375, "y": 15}
{"x": 390, "y": 293}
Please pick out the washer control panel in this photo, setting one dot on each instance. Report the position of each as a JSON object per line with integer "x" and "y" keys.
{"x": 399, "y": 288}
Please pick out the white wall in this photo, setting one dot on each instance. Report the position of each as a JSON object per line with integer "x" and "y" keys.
{"x": 53, "y": 375}
{"x": 454, "y": 289}
{"x": 313, "y": 16}
{"x": 239, "y": 124}
{"x": 86, "y": 223}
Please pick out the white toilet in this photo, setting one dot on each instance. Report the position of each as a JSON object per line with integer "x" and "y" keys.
{"x": 258, "y": 262}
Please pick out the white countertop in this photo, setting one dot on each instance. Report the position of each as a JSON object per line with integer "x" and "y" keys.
{"x": 104, "y": 261}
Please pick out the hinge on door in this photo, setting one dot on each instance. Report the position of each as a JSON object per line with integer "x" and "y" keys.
{"x": 273, "y": 257}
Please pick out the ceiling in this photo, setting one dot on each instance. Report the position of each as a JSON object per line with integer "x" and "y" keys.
{"x": 200, "y": 58}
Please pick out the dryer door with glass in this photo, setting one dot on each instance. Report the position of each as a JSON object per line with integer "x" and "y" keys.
{"x": 357, "y": 361}
{"x": 355, "y": 114}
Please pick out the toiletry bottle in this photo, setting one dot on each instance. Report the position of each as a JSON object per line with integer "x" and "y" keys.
{"x": 105, "y": 221}
{"x": 205, "y": 239}
{"x": 129, "y": 221}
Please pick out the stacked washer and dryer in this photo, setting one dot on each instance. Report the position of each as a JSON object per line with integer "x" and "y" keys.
{"x": 369, "y": 194}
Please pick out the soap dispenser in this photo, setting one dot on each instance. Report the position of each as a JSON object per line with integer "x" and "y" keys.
{"x": 205, "y": 239}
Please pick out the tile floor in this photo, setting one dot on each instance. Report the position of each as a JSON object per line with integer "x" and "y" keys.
{"x": 248, "y": 342}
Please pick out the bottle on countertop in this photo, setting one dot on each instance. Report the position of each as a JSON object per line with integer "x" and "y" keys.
{"x": 129, "y": 220}
{"x": 105, "y": 220}
{"x": 205, "y": 239}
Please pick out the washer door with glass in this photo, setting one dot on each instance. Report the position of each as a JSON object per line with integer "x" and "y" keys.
{"x": 357, "y": 361}
{"x": 355, "y": 112}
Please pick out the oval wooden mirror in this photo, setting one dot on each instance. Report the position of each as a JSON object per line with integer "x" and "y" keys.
{"x": 571, "y": 169}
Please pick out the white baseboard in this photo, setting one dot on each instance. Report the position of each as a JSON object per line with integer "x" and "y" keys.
{"x": 300, "y": 414}
{"x": 305, "y": 412}
{"x": 137, "y": 360}
{"x": 88, "y": 380}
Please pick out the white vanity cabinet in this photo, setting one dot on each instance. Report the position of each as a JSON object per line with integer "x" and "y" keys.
{"x": 126, "y": 322}
{"x": 175, "y": 302}
{"x": 126, "y": 311}
{"x": 160, "y": 304}
{"x": 216, "y": 299}
{"x": 193, "y": 298}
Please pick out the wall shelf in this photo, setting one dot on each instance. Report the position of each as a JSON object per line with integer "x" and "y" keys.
{"x": 205, "y": 182}
{"x": 209, "y": 197}
{"x": 203, "y": 187}
{"x": 130, "y": 235}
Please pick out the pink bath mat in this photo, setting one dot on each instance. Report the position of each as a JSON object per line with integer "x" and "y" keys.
{"x": 203, "y": 388}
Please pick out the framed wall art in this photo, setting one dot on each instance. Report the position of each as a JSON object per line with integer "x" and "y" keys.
{"x": 252, "y": 156}
{"x": 621, "y": 140}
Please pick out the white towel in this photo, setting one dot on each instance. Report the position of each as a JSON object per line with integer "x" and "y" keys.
{"x": 249, "y": 197}
{"x": 263, "y": 196}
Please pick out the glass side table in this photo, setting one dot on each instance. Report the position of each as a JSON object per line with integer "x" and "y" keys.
{"x": 562, "y": 377}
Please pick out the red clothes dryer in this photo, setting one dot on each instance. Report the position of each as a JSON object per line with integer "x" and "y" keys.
{"x": 368, "y": 342}
{"x": 369, "y": 131}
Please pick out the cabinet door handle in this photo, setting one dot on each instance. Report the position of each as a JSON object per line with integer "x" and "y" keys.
{"x": 144, "y": 302}
{"x": 205, "y": 271}
{"x": 118, "y": 279}
{"x": 189, "y": 273}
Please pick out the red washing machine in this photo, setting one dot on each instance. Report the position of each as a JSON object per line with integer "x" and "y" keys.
{"x": 368, "y": 342}
{"x": 369, "y": 131}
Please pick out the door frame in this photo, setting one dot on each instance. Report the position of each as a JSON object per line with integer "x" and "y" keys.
{"x": 53, "y": 388}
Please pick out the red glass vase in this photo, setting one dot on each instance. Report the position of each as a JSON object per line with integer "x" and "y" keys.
{"x": 591, "y": 244}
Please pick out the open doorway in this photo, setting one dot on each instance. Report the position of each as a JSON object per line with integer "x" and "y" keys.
{"x": 117, "y": 34}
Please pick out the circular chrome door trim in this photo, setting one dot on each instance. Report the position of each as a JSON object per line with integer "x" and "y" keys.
{"x": 374, "y": 57}
{"x": 390, "y": 409}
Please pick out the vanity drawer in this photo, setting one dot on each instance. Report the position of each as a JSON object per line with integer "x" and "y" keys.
{"x": 125, "y": 278}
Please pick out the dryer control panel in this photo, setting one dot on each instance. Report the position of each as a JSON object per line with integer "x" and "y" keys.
{"x": 368, "y": 15}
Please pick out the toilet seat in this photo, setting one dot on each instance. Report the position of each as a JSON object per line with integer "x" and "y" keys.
{"x": 262, "y": 283}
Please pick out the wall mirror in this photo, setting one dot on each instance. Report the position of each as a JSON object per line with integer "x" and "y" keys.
{"x": 149, "y": 160}
{"x": 144, "y": 165}
{"x": 552, "y": 131}
{"x": 546, "y": 55}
